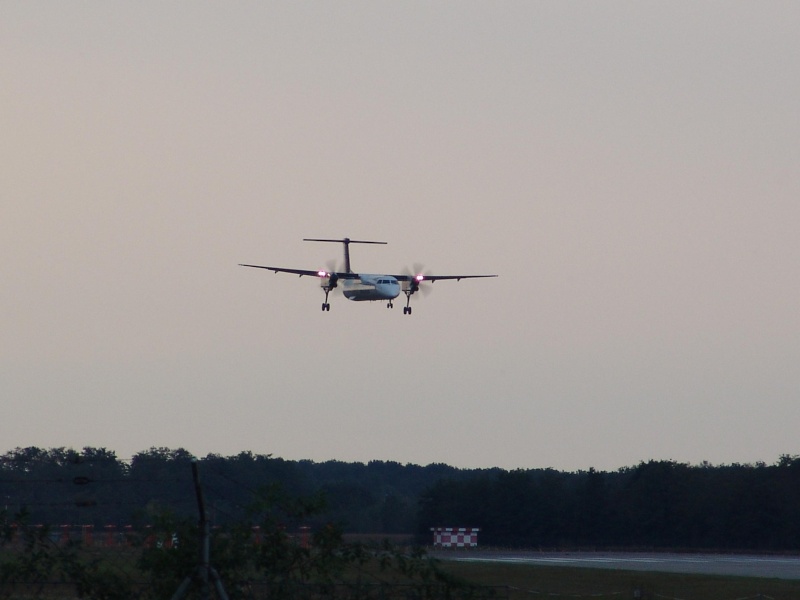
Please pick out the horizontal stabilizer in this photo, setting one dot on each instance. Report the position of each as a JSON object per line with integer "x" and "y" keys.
{"x": 342, "y": 241}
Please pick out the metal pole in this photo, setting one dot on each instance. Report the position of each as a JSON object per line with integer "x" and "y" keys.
{"x": 202, "y": 526}
{"x": 204, "y": 568}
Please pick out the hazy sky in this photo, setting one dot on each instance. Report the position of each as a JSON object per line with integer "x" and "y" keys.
{"x": 631, "y": 170}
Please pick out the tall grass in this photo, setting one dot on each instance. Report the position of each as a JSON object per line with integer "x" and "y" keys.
{"x": 533, "y": 581}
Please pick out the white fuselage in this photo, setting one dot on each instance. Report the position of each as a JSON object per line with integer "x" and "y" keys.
{"x": 371, "y": 287}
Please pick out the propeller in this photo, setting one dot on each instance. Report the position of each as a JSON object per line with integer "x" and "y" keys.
{"x": 329, "y": 282}
{"x": 328, "y": 278}
{"x": 418, "y": 274}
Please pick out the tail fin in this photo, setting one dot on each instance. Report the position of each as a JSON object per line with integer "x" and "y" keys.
{"x": 346, "y": 242}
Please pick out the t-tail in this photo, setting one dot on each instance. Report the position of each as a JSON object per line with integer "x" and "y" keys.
{"x": 346, "y": 242}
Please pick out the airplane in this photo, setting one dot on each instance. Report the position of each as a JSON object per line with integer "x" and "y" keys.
{"x": 361, "y": 287}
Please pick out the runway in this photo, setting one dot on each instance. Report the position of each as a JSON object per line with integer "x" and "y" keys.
{"x": 780, "y": 567}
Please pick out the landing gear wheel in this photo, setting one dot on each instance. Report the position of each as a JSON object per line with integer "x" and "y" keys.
{"x": 407, "y": 307}
{"x": 325, "y": 306}
{"x": 390, "y": 305}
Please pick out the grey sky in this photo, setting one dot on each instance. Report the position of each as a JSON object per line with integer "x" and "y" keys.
{"x": 629, "y": 169}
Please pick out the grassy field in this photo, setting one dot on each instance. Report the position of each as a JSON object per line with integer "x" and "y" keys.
{"x": 520, "y": 580}
{"x": 532, "y": 581}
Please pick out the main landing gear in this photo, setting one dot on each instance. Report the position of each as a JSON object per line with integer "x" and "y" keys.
{"x": 407, "y": 307}
{"x": 326, "y": 307}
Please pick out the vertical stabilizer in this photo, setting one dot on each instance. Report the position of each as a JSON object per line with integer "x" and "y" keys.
{"x": 346, "y": 242}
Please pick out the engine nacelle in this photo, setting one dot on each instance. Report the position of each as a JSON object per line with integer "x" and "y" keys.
{"x": 328, "y": 280}
{"x": 411, "y": 287}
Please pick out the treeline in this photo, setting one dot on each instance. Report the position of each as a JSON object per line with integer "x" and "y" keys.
{"x": 656, "y": 504}
{"x": 94, "y": 487}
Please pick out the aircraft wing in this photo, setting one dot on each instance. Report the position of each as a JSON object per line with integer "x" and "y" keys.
{"x": 433, "y": 278}
{"x": 301, "y": 272}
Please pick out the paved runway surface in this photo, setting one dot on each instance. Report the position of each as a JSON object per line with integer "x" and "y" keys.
{"x": 781, "y": 567}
